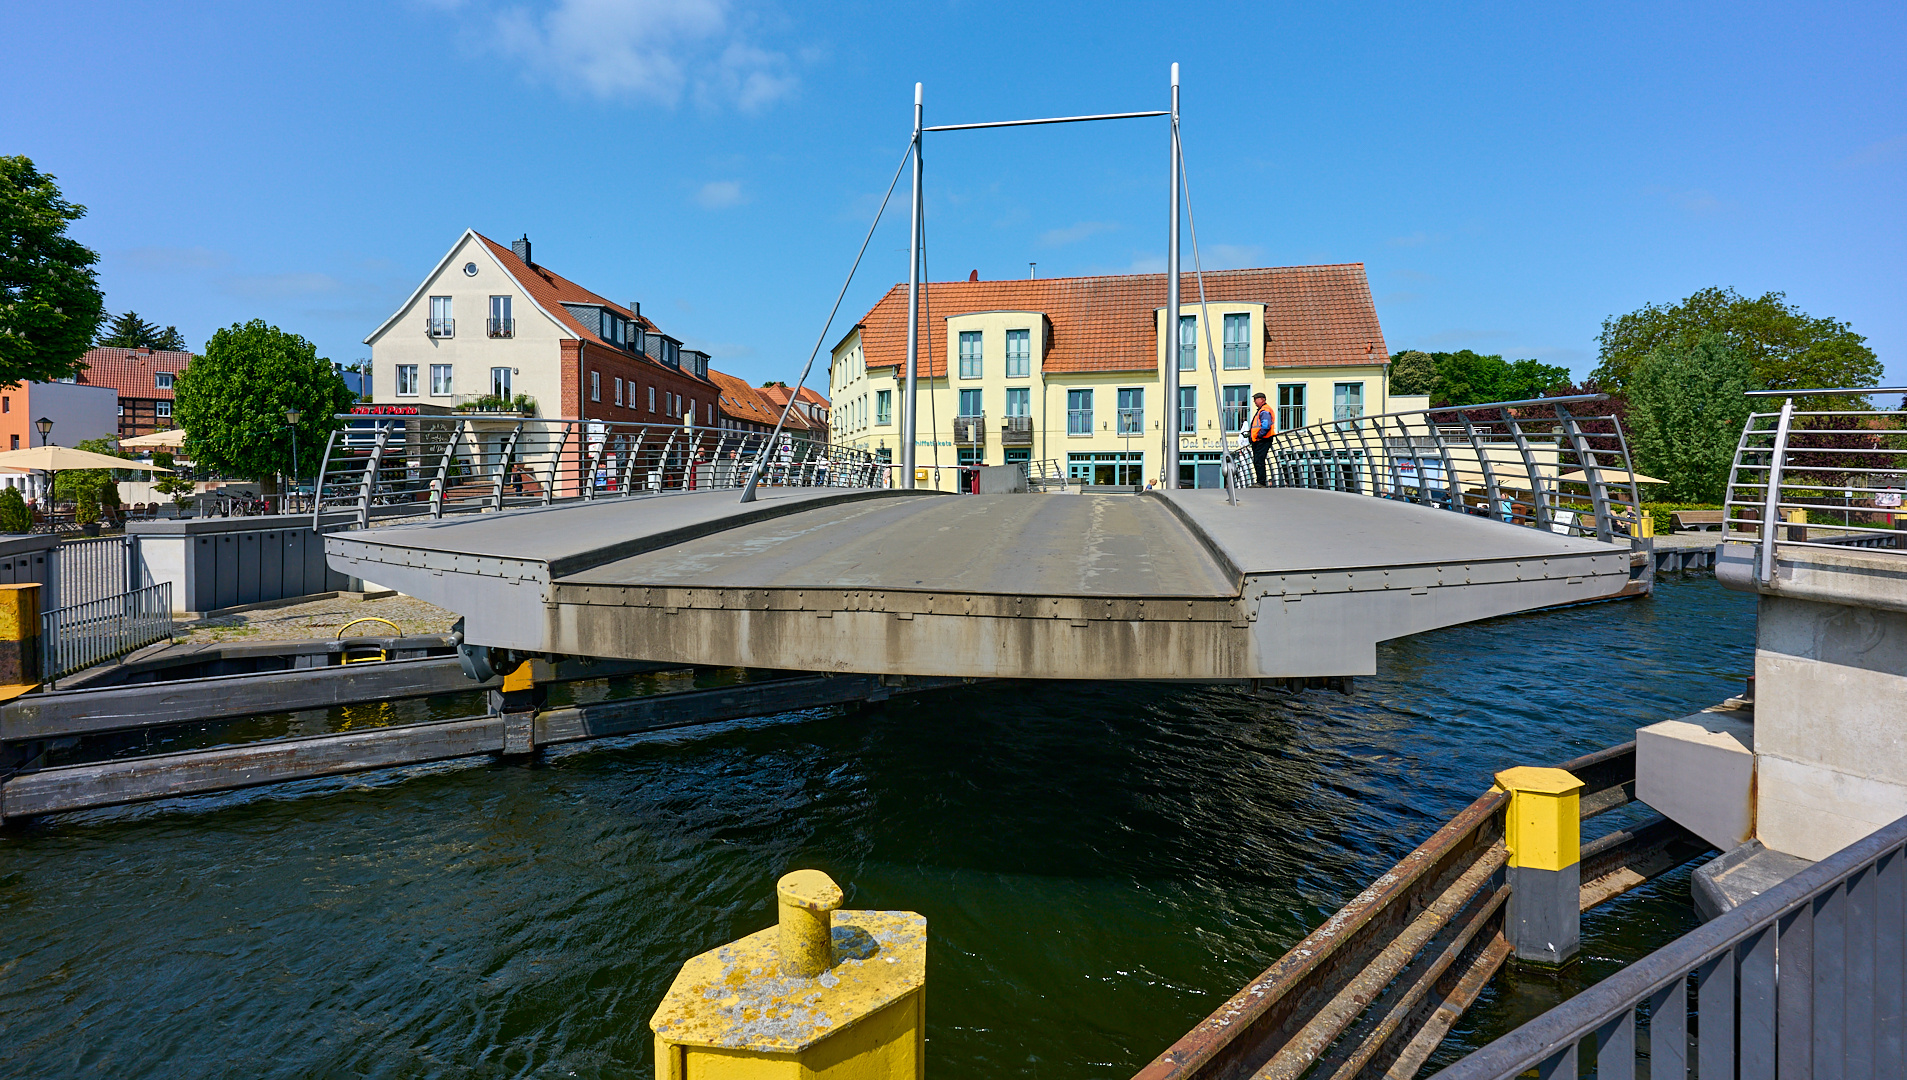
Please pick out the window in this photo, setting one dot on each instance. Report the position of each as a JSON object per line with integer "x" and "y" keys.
{"x": 500, "y": 382}
{"x": 595, "y": 386}
{"x": 1188, "y": 342}
{"x": 407, "y": 380}
{"x": 16, "y": 442}
{"x": 439, "y": 380}
{"x": 690, "y": 411}
{"x": 1108, "y": 469}
{"x": 1188, "y": 410}
{"x": 1132, "y": 410}
{"x": 441, "y": 324}
{"x": 883, "y": 407}
{"x": 162, "y": 379}
{"x": 969, "y": 354}
{"x": 1019, "y": 401}
{"x": 1347, "y": 401}
{"x": 1290, "y": 406}
{"x": 1237, "y": 342}
{"x": 6, "y": 404}
{"x": 970, "y": 403}
{"x": 501, "y": 324}
{"x": 1019, "y": 354}
{"x": 165, "y": 410}
{"x": 619, "y": 390}
{"x": 652, "y": 399}
{"x": 884, "y": 455}
{"x": 1079, "y": 412}
{"x": 1237, "y": 407}
{"x": 972, "y": 455}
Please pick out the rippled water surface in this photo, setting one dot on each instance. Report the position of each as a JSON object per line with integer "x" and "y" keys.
{"x": 1100, "y": 865}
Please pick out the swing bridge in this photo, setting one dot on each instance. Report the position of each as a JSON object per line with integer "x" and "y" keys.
{"x": 558, "y": 538}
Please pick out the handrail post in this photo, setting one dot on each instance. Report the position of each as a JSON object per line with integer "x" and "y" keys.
{"x": 1592, "y": 470}
{"x": 443, "y": 470}
{"x": 1452, "y": 486}
{"x": 1771, "y": 505}
{"x": 556, "y": 463}
{"x": 317, "y": 489}
{"x": 503, "y": 465}
{"x": 1491, "y": 492}
{"x": 1539, "y": 503}
{"x": 371, "y": 466}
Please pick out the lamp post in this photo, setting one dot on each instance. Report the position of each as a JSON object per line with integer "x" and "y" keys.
{"x": 291, "y": 421}
{"x": 46, "y": 428}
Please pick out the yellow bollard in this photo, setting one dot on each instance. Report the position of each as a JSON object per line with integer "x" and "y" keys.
{"x": 1542, "y": 828}
{"x": 745, "y": 1011}
{"x": 19, "y": 639}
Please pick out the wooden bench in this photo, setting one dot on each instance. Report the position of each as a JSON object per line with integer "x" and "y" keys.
{"x": 1696, "y": 520}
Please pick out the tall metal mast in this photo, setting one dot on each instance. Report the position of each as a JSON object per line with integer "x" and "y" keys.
{"x": 1169, "y": 380}
{"x": 910, "y": 412}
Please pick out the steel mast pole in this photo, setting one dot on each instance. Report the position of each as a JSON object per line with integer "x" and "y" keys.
{"x": 1169, "y": 462}
{"x": 910, "y": 413}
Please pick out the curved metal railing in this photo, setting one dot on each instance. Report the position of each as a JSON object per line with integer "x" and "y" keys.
{"x": 384, "y": 467}
{"x": 1549, "y": 463}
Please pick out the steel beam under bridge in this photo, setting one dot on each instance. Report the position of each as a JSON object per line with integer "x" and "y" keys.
{"x": 1166, "y": 585}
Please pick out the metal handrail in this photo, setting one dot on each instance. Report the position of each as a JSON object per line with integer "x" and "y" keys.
{"x": 1769, "y": 1024}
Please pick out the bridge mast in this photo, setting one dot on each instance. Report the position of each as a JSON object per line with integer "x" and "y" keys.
{"x": 912, "y": 393}
{"x": 1169, "y": 378}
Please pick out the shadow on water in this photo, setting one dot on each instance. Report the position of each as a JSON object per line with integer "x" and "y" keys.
{"x": 1100, "y": 864}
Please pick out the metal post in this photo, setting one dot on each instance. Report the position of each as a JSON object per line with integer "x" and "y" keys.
{"x": 371, "y": 467}
{"x": 1452, "y": 486}
{"x": 1169, "y": 462}
{"x": 1592, "y": 471}
{"x": 1771, "y": 506}
{"x": 1542, "y": 828}
{"x": 1539, "y": 505}
{"x": 909, "y": 410}
{"x": 443, "y": 471}
{"x": 1490, "y": 490}
{"x": 503, "y": 465}
{"x": 556, "y": 463}
{"x": 317, "y": 487}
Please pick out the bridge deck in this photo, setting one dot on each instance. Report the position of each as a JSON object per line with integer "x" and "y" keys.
{"x": 1166, "y": 585}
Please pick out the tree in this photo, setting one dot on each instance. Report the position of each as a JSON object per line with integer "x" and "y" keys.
{"x": 1413, "y": 372}
{"x": 232, "y": 401}
{"x": 176, "y": 485}
{"x": 77, "y": 483}
{"x": 1468, "y": 378}
{"x": 1686, "y": 411}
{"x": 1787, "y": 348}
{"x": 50, "y": 304}
{"x": 14, "y": 516}
{"x": 129, "y": 331}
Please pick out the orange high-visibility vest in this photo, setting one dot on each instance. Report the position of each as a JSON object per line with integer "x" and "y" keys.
{"x": 1269, "y": 427}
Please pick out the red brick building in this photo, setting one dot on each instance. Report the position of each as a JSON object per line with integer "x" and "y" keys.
{"x": 143, "y": 380}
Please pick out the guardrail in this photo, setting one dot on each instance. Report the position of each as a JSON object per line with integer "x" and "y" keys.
{"x": 429, "y": 466}
{"x": 1797, "y": 471}
{"x": 1551, "y": 463}
{"x": 77, "y": 636}
{"x": 1803, "y": 980}
{"x": 1044, "y": 474}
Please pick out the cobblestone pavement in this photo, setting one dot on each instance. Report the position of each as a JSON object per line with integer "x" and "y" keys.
{"x": 319, "y": 619}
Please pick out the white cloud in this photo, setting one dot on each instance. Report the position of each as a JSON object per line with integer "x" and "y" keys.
{"x": 1073, "y": 234}
{"x": 652, "y": 50}
{"x": 717, "y": 194}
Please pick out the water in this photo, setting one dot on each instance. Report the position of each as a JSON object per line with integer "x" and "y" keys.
{"x": 1100, "y": 865}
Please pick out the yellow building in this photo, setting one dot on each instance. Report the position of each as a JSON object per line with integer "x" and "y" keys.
{"x": 1066, "y": 371}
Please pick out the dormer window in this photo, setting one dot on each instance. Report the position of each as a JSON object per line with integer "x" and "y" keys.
{"x": 162, "y": 379}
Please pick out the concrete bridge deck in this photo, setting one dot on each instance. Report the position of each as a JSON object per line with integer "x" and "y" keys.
{"x": 1167, "y": 585}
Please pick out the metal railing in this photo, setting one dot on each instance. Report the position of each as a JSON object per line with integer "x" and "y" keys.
{"x": 440, "y": 327}
{"x": 500, "y": 328}
{"x": 1819, "y": 477}
{"x": 98, "y": 568}
{"x": 1803, "y": 980}
{"x": 1550, "y": 463}
{"x": 1044, "y": 475}
{"x": 77, "y": 636}
{"x": 429, "y": 466}
{"x": 970, "y": 429}
{"x": 1016, "y": 431}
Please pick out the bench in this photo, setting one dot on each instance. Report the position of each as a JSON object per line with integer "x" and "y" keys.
{"x": 1696, "y": 520}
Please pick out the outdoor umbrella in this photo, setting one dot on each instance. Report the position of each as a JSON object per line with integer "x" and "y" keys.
{"x": 62, "y": 458}
{"x": 1609, "y": 476}
{"x": 158, "y": 440}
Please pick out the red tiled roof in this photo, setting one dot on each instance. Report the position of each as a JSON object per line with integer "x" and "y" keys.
{"x": 778, "y": 393}
{"x": 130, "y": 371}
{"x": 1314, "y": 315}
{"x": 752, "y": 405}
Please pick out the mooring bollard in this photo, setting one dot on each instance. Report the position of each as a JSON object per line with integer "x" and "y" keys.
{"x": 823, "y": 995}
{"x": 19, "y": 639}
{"x": 1542, "y": 828}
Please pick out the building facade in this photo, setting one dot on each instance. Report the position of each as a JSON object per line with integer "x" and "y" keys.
{"x": 1068, "y": 370}
{"x": 79, "y": 412}
{"x": 143, "y": 379}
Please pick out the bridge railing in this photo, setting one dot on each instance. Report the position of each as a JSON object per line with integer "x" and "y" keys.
{"x": 1560, "y": 464}
{"x": 380, "y": 468}
{"x": 1802, "y": 980}
{"x": 1820, "y": 477}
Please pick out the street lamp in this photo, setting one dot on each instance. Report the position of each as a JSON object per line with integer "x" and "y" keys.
{"x": 46, "y": 428}
{"x": 291, "y": 421}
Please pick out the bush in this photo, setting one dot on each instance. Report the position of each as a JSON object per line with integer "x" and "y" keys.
{"x": 14, "y": 516}
{"x": 86, "y": 510}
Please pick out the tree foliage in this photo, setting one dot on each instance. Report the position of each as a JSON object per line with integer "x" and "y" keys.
{"x": 232, "y": 401}
{"x": 129, "y": 331}
{"x": 1468, "y": 378}
{"x": 1686, "y": 411}
{"x": 1786, "y": 348}
{"x": 50, "y": 304}
{"x": 14, "y": 516}
{"x": 1413, "y": 372}
{"x": 98, "y": 484}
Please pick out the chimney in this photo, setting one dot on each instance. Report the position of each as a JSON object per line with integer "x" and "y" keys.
{"x": 1030, "y": 267}
{"x": 974, "y": 276}
{"x": 635, "y": 308}
{"x": 522, "y": 249}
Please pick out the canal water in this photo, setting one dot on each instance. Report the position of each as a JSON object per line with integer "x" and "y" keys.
{"x": 1100, "y": 865}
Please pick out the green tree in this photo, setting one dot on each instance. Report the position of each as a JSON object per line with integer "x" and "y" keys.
{"x": 75, "y": 483}
{"x": 1787, "y": 348}
{"x": 50, "y": 304}
{"x": 232, "y": 401}
{"x": 14, "y": 516}
{"x": 129, "y": 331}
{"x": 1686, "y": 411}
{"x": 176, "y": 485}
{"x": 1413, "y": 372}
{"x": 1468, "y": 378}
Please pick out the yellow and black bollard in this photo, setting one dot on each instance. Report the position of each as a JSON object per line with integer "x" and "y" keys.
{"x": 823, "y": 995}
{"x": 19, "y": 639}
{"x": 1542, "y": 828}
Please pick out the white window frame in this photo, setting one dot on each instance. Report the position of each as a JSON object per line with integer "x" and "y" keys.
{"x": 500, "y": 384}
{"x": 443, "y": 321}
{"x": 652, "y": 399}
{"x": 163, "y": 410}
{"x": 162, "y": 380}
{"x": 435, "y": 371}
{"x": 406, "y": 376}
{"x": 595, "y": 386}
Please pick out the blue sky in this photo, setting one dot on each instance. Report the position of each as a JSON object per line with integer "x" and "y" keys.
{"x": 1510, "y": 176}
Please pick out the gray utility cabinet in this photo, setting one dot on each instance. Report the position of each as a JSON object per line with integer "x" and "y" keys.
{"x": 218, "y": 563}
{"x": 29, "y": 558}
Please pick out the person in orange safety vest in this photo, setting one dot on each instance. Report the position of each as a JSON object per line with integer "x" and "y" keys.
{"x": 1262, "y": 427}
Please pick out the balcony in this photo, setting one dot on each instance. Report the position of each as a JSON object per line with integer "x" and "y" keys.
{"x": 970, "y": 430}
{"x": 1132, "y": 422}
{"x": 500, "y": 327}
{"x": 440, "y": 328}
{"x": 1016, "y": 431}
